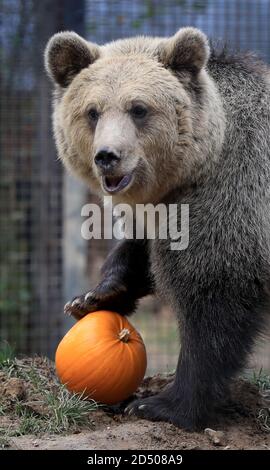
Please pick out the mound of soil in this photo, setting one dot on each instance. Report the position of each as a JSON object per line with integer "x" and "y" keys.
{"x": 238, "y": 426}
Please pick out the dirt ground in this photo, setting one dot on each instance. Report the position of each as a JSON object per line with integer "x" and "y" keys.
{"x": 243, "y": 422}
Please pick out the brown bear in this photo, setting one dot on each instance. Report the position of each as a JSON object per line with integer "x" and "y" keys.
{"x": 151, "y": 120}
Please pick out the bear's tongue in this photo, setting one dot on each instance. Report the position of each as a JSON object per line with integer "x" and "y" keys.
{"x": 113, "y": 184}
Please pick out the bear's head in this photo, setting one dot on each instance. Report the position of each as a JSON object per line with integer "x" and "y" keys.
{"x": 137, "y": 117}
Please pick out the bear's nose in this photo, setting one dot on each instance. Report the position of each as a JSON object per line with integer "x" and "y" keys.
{"x": 106, "y": 159}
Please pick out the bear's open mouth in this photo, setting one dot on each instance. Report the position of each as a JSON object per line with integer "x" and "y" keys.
{"x": 114, "y": 184}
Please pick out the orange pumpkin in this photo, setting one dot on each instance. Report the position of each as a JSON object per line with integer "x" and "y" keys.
{"x": 103, "y": 356}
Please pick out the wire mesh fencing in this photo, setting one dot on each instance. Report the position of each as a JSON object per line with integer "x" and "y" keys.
{"x": 43, "y": 260}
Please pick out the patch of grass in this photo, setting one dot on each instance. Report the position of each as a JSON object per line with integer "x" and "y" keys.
{"x": 28, "y": 371}
{"x": 68, "y": 410}
{"x": 262, "y": 380}
{"x": 30, "y": 424}
{"x": 4, "y": 443}
{"x": 48, "y": 407}
{"x": 2, "y": 409}
{"x": 7, "y": 353}
{"x": 38, "y": 381}
{"x": 263, "y": 419}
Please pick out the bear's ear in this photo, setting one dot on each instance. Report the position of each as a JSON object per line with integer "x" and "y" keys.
{"x": 66, "y": 54}
{"x": 187, "y": 50}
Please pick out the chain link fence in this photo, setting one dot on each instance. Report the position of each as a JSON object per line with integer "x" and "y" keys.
{"x": 43, "y": 260}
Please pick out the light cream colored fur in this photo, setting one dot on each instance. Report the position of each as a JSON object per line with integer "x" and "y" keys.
{"x": 182, "y": 137}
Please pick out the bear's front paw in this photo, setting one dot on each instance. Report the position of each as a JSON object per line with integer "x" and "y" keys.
{"x": 161, "y": 407}
{"x": 78, "y": 307}
{"x": 108, "y": 295}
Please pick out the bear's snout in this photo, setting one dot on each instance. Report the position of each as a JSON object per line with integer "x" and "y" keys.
{"x": 106, "y": 160}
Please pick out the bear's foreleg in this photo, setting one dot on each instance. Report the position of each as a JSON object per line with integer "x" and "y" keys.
{"x": 125, "y": 278}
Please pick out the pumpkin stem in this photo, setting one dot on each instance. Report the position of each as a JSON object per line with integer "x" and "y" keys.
{"x": 124, "y": 335}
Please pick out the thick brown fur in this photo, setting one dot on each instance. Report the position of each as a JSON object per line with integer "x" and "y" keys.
{"x": 203, "y": 140}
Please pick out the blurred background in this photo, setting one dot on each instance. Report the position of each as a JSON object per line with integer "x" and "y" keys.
{"x": 43, "y": 260}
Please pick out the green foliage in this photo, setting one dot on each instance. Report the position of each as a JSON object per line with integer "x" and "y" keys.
{"x": 67, "y": 410}
{"x": 14, "y": 288}
{"x": 152, "y": 10}
{"x": 7, "y": 353}
{"x": 3, "y": 441}
{"x": 56, "y": 411}
{"x": 262, "y": 380}
{"x": 30, "y": 424}
{"x": 263, "y": 419}
{"x": 199, "y": 5}
{"x": 137, "y": 23}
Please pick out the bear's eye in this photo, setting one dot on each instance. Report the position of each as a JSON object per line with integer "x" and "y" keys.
{"x": 93, "y": 114}
{"x": 138, "y": 111}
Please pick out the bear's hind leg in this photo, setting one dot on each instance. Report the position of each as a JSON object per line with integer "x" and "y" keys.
{"x": 217, "y": 333}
